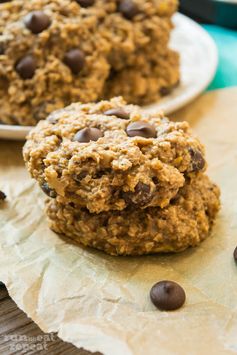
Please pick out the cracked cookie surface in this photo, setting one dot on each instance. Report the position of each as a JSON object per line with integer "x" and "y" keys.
{"x": 109, "y": 156}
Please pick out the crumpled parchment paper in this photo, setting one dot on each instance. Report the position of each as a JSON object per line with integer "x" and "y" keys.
{"x": 102, "y": 303}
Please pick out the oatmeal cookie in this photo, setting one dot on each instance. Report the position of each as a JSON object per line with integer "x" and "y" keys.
{"x": 109, "y": 156}
{"x": 55, "y": 52}
{"x": 145, "y": 81}
{"x": 51, "y": 55}
{"x": 185, "y": 222}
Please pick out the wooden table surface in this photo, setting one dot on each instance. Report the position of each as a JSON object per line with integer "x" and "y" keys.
{"x": 20, "y": 335}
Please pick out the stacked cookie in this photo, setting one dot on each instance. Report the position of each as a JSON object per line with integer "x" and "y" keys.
{"x": 55, "y": 52}
{"x": 122, "y": 181}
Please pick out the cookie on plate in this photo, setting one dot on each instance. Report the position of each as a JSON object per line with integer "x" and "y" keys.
{"x": 184, "y": 222}
{"x": 110, "y": 155}
{"x": 55, "y": 52}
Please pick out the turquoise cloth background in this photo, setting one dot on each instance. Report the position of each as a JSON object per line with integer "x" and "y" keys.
{"x": 226, "y": 41}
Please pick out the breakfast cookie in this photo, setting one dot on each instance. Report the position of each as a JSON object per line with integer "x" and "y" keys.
{"x": 51, "y": 55}
{"x": 110, "y": 156}
{"x": 183, "y": 223}
{"x": 55, "y": 52}
{"x": 145, "y": 81}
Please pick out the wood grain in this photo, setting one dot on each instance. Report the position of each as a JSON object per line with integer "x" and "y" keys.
{"x": 16, "y": 331}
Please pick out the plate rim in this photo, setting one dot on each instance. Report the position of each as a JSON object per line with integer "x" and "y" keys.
{"x": 17, "y": 132}
{"x": 175, "y": 104}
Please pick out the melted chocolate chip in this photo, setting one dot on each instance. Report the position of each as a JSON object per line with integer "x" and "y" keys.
{"x": 37, "y": 21}
{"x": 141, "y": 129}
{"x": 75, "y": 60}
{"x": 2, "y": 196}
{"x": 26, "y": 67}
{"x": 86, "y": 135}
{"x": 128, "y": 9}
{"x": 140, "y": 197}
{"x": 48, "y": 191}
{"x": 118, "y": 112}
{"x": 85, "y": 3}
{"x": 197, "y": 160}
{"x": 167, "y": 295}
{"x": 235, "y": 254}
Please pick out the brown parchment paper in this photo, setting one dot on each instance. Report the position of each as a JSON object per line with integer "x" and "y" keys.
{"x": 102, "y": 303}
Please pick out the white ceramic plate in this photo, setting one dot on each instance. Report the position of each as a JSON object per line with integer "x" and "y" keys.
{"x": 199, "y": 61}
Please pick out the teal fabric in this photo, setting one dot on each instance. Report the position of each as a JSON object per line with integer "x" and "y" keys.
{"x": 226, "y": 41}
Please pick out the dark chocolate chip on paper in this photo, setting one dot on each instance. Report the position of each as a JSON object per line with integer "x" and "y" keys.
{"x": 167, "y": 295}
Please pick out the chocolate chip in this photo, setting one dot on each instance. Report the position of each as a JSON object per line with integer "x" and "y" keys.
{"x": 197, "y": 160}
{"x": 235, "y": 254}
{"x": 155, "y": 180}
{"x": 118, "y": 112}
{"x": 2, "y": 196}
{"x": 75, "y": 60}
{"x": 128, "y": 9}
{"x": 26, "y": 67}
{"x": 141, "y": 196}
{"x": 2, "y": 49}
{"x": 86, "y": 135}
{"x": 141, "y": 129}
{"x": 3, "y": 1}
{"x": 37, "y": 21}
{"x": 48, "y": 191}
{"x": 164, "y": 91}
{"x": 80, "y": 176}
{"x": 85, "y": 3}
{"x": 167, "y": 295}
